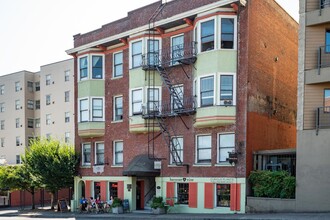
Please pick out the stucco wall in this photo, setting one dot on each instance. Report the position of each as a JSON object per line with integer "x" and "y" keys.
{"x": 257, "y": 204}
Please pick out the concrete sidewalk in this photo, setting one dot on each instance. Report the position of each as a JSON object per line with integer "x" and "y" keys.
{"x": 47, "y": 213}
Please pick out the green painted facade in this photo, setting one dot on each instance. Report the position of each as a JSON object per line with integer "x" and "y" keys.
{"x": 91, "y": 129}
{"x": 215, "y": 111}
{"x": 89, "y": 88}
{"x": 139, "y": 78}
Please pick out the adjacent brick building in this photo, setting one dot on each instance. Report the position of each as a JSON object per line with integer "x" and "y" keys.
{"x": 164, "y": 94}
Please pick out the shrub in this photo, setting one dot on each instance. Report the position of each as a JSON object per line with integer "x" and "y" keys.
{"x": 157, "y": 202}
{"x": 277, "y": 184}
{"x": 117, "y": 202}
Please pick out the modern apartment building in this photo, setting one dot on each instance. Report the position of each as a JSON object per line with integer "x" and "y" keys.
{"x": 183, "y": 100}
{"x": 34, "y": 105}
{"x": 313, "y": 119}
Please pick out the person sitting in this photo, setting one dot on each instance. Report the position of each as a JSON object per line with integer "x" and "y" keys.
{"x": 83, "y": 204}
{"x": 90, "y": 204}
{"x": 108, "y": 204}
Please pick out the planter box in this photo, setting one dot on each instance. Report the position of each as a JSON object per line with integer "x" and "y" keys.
{"x": 117, "y": 210}
{"x": 158, "y": 211}
{"x": 260, "y": 204}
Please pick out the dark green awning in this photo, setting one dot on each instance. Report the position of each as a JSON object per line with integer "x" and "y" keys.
{"x": 141, "y": 165}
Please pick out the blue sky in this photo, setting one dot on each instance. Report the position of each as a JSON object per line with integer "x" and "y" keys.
{"x": 37, "y": 32}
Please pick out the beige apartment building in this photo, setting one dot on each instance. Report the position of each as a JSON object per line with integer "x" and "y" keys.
{"x": 313, "y": 118}
{"x": 35, "y": 105}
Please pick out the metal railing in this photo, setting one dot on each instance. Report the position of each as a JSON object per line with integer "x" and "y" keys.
{"x": 324, "y": 3}
{"x": 323, "y": 57}
{"x": 169, "y": 56}
{"x": 322, "y": 118}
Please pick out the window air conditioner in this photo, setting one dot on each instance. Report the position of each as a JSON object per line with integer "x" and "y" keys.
{"x": 226, "y": 102}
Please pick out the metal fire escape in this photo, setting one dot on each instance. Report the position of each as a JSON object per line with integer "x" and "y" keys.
{"x": 157, "y": 116}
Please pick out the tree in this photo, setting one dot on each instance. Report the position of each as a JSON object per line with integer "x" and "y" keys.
{"x": 18, "y": 178}
{"x": 53, "y": 163}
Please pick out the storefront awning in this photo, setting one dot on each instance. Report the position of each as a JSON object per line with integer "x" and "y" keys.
{"x": 141, "y": 165}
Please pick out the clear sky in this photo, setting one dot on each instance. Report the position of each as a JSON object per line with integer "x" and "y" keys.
{"x": 37, "y": 32}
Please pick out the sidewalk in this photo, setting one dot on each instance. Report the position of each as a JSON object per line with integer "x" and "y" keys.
{"x": 47, "y": 213}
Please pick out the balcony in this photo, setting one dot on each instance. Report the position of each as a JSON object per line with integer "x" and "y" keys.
{"x": 91, "y": 129}
{"x": 170, "y": 57}
{"x": 322, "y": 118}
{"x": 322, "y": 73}
{"x": 320, "y": 16}
{"x": 168, "y": 109}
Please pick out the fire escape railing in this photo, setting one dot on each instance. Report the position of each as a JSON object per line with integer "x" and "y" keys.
{"x": 323, "y": 4}
{"x": 323, "y": 57}
{"x": 322, "y": 118}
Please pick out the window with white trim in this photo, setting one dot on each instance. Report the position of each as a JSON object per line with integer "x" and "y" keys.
{"x": 18, "y": 141}
{"x": 177, "y": 150}
{"x": 177, "y": 48}
{"x": 2, "y": 125}
{"x": 37, "y": 104}
{"x": 137, "y": 101}
{"x": 17, "y": 104}
{"x": 226, "y": 144}
{"x": 2, "y": 89}
{"x": 48, "y": 79}
{"x": 203, "y": 149}
{"x": 97, "y": 67}
{"x": 2, "y": 140}
{"x": 67, "y": 96}
{"x": 67, "y": 137}
{"x": 48, "y": 99}
{"x": 118, "y": 108}
{"x": 83, "y": 67}
{"x": 91, "y": 66}
{"x": 30, "y": 104}
{"x": 223, "y": 195}
{"x": 67, "y": 117}
{"x": 118, "y": 64}
{"x": 99, "y": 153}
{"x": 206, "y": 91}
{"x": 153, "y": 99}
{"x": 17, "y": 86}
{"x": 37, "y": 122}
{"x": 48, "y": 119}
{"x": 226, "y": 89}
{"x": 227, "y": 33}
{"x": 2, "y": 107}
{"x": 153, "y": 52}
{"x": 207, "y": 35}
{"x": 179, "y": 91}
{"x": 97, "y": 109}
{"x": 86, "y": 154}
{"x": 84, "y": 110}
{"x": 91, "y": 109}
{"x": 17, "y": 123}
{"x": 183, "y": 193}
{"x": 136, "y": 54}
{"x": 118, "y": 153}
{"x": 37, "y": 86}
{"x": 67, "y": 76}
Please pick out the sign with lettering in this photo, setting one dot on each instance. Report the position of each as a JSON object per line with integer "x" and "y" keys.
{"x": 181, "y": 179}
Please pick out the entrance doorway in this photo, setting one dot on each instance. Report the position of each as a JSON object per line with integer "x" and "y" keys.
{"x": 139, "y": 194}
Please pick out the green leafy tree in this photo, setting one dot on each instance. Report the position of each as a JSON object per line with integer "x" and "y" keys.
{"x": 53, "y": 163}
{"x": 18, "y": 178}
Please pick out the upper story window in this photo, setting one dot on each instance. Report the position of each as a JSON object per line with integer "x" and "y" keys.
{"x": 326, "y": 100}
{"x": 118, "y": 155}
{"x": 179, "y": 91}
{"x": 17, "y": 86}
{"x": 207, "y": 91}
{"x": 67, "y": 117}
{"x": 48, "y": 99}
{"x": 67, "y": 96}
{"x": 118, "y": 64}
{"x": 18, "y": 141}
{"x": 153, "y": 52}
{"x": 2, "y": 142}
{"x": 2, "y": 89}
{"x": 226, "y": 89}
{"x": 48, "y": 119}
{"x": 153, "y": 99}
{"x": 30, "y": 123}
{"x": 118, "y": 108}
{"x": 136, "y": 54}
{"x": 227, "y": 33}
{"x": 99, "y": 153}
{"x": 91, "y": 67}
{"x": 30, "y": 86}
{"x": 37, "y": 104}
{"x": 67, "y": 137}
{"x": 86, "y": 154}
{"x": 177, "y": 48}
{"x": 84, "y": 110}
{"x": 17, "y": 123}
{"x": 2, "y": 107}
{"x": 2, "y": 125}
{"x": 37, "y": 86}
{"x": 48, "y": 79}
{"x": 226, "y": 144}
{"x": 91, "y": 109}
{"x": 203, "y": 149}
{"x": 97, "y": 109}
{"x": 67, "y": 75}
{"x": 17, "y": 104}
{"x": 37, "y": 122}
{"x": 30, "y": 104}
{"x": 207, "y": 35}
{"x": 327, "y": 41}
{"x": 136, "y": 101}
{"x": 177, "y": 150}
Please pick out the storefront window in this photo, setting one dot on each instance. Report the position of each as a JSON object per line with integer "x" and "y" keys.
{"x": 113, "y": 189}
{"x": 223, "y": 195}
{"x": 97, "y": 189}
{"x": 183, "y": 193}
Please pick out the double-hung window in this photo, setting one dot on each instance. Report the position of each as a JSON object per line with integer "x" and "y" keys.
{"x": 17, "y": 86}
{"x": 37, "y": 122}
{"x": 118, "y": 108}
{"x": 118, "y": 153}
{"x": 30, "y": 122}
{"x": 67, "y": 137}
{"x": 177, "y": 100}
{"x": 207, "y": 91}
{"x": 67, "y": 76}
{"x": 18, "y": 141}
{"x": 153, "y": 99}
{"x": 48, "y": 99}
{"x": 84, "y": 110}
{"x": 204, "y": 148}
{"x": 86, "y": 154}
{"x": 207, "y": 35}
{"x": 30, "y": 86}
{"x": 136, "y": 54}
{"x": 226, "y": 144}
{"x": 83, "y": 67}
{"x": 2, "y": 141}
{"x": 37, "y": 86}
{"x": 67, "y": 117}
{"x": 67, "y": 96}
{"x": 17, "y": 123}
{"x": 30, "y": 104}
{"x": 177, "y": 48}
{"x": 97, "y": 67}
{"x": 99, "y": 153}
{"x": 17, "y": 104}
{"x": 48, "y": 119}
{"x": 118, "y": 64}
{"x": 97, "y": 109}
{"x": 2, "y": 125}
{"x": 227, "y": 33}
{"x": 2, "y": 107}
{"x": 226, "y": 89}
{"x": 176, "y": 150}
{"x": 137, "y": 101}
{"x": 153, "y": 52}
{"x": 2, "y": 89}
{"x": 37, "y": 104}
{"x": 48, "y": 79}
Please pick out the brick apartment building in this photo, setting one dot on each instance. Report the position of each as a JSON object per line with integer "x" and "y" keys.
{"x": 164, "y": 94}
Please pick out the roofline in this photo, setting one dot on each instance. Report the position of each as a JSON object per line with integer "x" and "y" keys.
{"x": 145, "y": 27}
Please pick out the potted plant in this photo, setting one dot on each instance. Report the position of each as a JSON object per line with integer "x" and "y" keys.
{"x": 117, "y": 206}
{"x": 157, "y": 205}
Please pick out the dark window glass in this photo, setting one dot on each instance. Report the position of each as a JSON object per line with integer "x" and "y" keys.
{"x": 227, "y": 33}
{"x": 97, "y": 66}
{"x": 207, "y": 35}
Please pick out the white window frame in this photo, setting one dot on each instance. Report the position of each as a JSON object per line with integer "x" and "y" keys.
{"x": 79, "y": 74}
{"x": 131, "y": 53}
{"x": 131, "y": 101}
{"x": 83, "y": 163}
{"x": 17, "y": 123}
{"x": 67, "y": 76}
{"x": 115, "y": 108}
{"x": 159, "y": 98}
{"x": 18, "y": 159}
{"x": 96, "y": 152}
{"x": 154, "y": 62}
{"x": 197, "y": 149}
{"x": 180, "y": 151}
{"x": 17, "y": 104}
{"x": 219, "y": 31}
{"x": 91, "y": 66}
{"x": 67, "y": 137}
{"x": 37, "y": 86}
{"x": 119, "y": 64}
{"x": 218, "y": 147}
{"x": 17, "y": 86}
{"x": 89, "y": 58}
{"x": 174, "y": 60}
{"x": 48, "y": 99}
{"x": 67, "y": 96}
{"x": 199, "y": 35}
{"x": 2, "y": 107}
{"x": 92, "y": 117}
{"x": 37, "y": 123}
{"x": 18, "y": 141}
{"x": 115, "y": 162}
{"x": 37, "y": 104}
{"x": 219, "y": 102}
{"x": 2, "y": 89}
{"x": 67, "y": 117}
{"x": 30, "y": 104}
{"x": 48, "y": 119}
{"x": 199, "y": 89}
{"x": 48, "y": 79}
{"x": 79, "y": 109}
